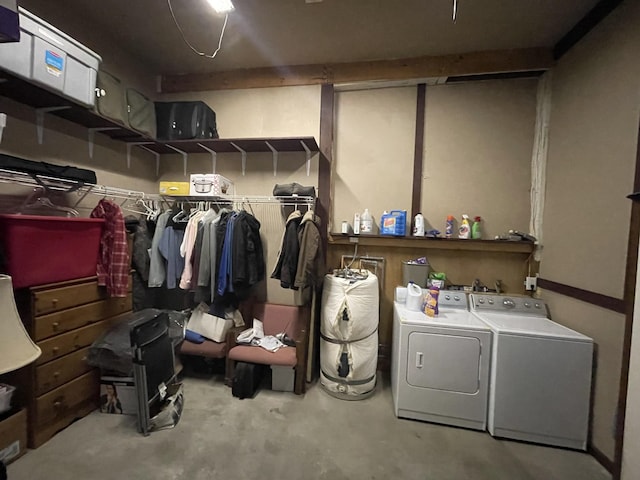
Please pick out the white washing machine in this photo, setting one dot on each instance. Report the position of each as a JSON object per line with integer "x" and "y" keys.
{"x": 440, "y": 365}
{"x": 540, "y": 373}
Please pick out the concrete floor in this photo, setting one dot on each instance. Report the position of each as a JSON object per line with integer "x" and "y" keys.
{"x": 284, "y": 436}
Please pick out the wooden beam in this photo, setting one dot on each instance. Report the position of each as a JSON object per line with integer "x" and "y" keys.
{"x": 603, "y": 301}
{"x": 584, "y": 26}
{"x": 416, "y": 194}
{"x": 494, "y": 61}
{"x": 629, "y": 300}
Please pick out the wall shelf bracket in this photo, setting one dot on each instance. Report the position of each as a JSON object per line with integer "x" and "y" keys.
{"x": 274, "y": 152}
{"x": 308, "y": 152}
{"x": 214, "y": 157}
{"x": 155, "y": 154}
{"x": 40, "y": 120}
{"x": 244, "y": 157}
{"x": 130, "y": 146}
{"x": 185, "y": 157}
{"x": 92, "y": 136}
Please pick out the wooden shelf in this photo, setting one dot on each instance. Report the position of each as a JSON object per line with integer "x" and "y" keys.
{"x": 38, "y": 97}
{"x": 226, "y": 145}
{"x": 505, "y": 246}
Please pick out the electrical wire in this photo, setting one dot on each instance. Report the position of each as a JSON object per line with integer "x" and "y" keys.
{"x": 184, "y": 38}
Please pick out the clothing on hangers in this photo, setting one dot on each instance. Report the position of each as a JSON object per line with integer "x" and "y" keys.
{"x": 311, "y": 264}
{"x": 157, "y": 269}
{"x": 113, "y": 261}
{"x": 287, "y": 263}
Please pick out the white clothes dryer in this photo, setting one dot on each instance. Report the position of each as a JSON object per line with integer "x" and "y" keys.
{"x": 440, "y": 365}
{"x": 540, "y": 373}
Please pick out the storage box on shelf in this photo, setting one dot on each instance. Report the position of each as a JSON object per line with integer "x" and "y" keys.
{"x": 50, "y": 58}
{"x": 64, "y": 319}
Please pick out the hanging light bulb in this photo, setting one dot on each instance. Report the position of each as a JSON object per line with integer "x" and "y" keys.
{"x": 222, "y": 6}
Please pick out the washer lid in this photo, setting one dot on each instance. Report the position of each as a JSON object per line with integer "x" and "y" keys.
{"x": 530, "y": 326}
{"x": 447, "y": 317}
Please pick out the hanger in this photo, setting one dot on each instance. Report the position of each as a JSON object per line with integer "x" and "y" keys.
{"x": 37, "y": 199}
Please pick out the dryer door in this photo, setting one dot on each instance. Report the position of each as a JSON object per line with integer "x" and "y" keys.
{"x": 444, "y": 362}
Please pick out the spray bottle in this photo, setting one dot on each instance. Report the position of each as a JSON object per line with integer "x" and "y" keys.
{"x": 464, "y": 231}
{"x": 448, "y": 231}
{"x": 476, "y": 231}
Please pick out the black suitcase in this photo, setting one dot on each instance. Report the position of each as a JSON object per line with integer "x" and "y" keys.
{"x": 35, "y": 169}
{"x": 185, "y": 121}
{"x": 246, "y": 379}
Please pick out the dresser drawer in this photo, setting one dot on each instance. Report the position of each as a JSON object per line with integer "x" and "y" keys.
{"x": 56, "y": 347}
{"x": 59, "y": 322}
{"x": 41, "y": 434}
{"x": 58, "y": 372}
{"x": 67, "y": 295}
{"x": 62, "y": 401}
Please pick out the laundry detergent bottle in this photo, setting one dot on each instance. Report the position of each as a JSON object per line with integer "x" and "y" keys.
{"x": 465, "y": 230}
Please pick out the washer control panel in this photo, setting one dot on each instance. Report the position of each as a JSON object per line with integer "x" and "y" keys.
{"x": 507, "y": 303}
{"x": 452, "y": 299}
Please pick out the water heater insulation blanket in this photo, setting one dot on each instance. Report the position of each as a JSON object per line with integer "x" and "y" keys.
{"x": 350, "y": 316}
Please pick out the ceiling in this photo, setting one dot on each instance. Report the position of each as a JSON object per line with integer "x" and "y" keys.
{"x": 263, "y": 33}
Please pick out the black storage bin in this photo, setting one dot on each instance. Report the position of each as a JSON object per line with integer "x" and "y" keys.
{"x": 185, "y": 121}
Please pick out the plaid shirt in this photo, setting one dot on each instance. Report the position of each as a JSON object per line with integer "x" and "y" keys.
{"x": 113, "y": 262}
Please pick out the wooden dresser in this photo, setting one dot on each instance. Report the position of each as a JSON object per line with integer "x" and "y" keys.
{"x": 64, "y": 319}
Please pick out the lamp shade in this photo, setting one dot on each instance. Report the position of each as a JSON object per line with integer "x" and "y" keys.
{"x": 16, "y": 347}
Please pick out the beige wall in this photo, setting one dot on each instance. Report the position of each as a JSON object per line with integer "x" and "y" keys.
{"x": 268, "y": 112}
{"x": 477, "y": 154}
{"x": 66, "y": 143}
{"x": 592, "y": 151}
{"x": 373, "y": 162}
{"x": 591, "y": 164}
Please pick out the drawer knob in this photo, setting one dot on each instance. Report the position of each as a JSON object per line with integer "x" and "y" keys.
{"x": 57, "y": 404}
{"x": 55, "y": 325}
{"x": 55, "y": 349}
{"x": 54, "y": 302}
{"x": 56, "y": 374}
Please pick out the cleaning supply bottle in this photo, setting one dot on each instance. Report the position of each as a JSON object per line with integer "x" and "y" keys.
{"x": 366, "y": 222}
{"x": 464, "y": 231}
{"x": 476, "y": 231}
{"x": 448, "y": 231}
{"x": 356, "y": 224}
{"x": 418, "y": 225}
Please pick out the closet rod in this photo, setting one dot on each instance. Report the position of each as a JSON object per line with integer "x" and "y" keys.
{"x": 68, "y": 186}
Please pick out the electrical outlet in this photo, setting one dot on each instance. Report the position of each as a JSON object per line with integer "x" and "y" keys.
{"x": 531, "y": 283}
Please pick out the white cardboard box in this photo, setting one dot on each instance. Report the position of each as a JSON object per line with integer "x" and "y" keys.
{"x": 210, "y": 185}
{"x": 118, "y": 395}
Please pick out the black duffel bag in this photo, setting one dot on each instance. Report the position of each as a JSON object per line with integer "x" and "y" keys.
{"x": 36, "y": 169}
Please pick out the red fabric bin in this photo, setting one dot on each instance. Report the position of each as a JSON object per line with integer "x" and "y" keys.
{"x": 40, "y": 250}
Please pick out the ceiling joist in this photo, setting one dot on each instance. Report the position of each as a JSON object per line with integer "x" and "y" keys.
{"x": 496, "y": 61}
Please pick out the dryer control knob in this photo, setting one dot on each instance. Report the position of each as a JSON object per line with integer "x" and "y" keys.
{"x": 537, "y": 305}
{"x": 481, "y": 300}
{"x": 527, "y": 304}
{"x": 448, "y": 297}
{"x": 508, "y": 303}
{"x": 456, "y": 298}
{"x": 491, "y": 301}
